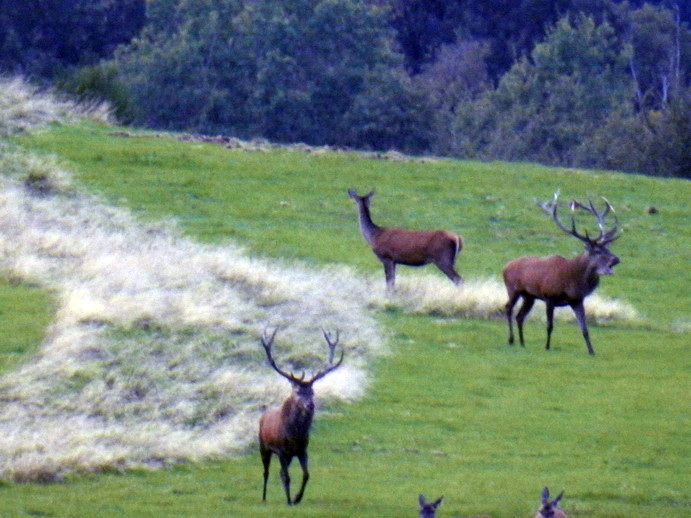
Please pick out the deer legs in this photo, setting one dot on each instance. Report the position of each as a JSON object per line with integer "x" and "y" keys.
{"x": 522, "y": 313}
{"x": 305, "y": 477}
{"x": 549, "y": 308}
{"x": 446, "y": 267}
{"x": 285, "y": 477}
{"x": 390, "y": 272}
{"x": 520, "y": 316}
{"x": 449, "y": 271}
{"x": 266, "y": 460}
{"x": 527, "y": 305}
{"x": 580, "y": 316}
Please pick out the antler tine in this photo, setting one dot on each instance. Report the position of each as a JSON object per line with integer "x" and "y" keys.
{"x": 551, "y": 209}
{"x": 606, "y": 236}
{"x": 331, "y": 366}
{"x": 332, "y": 344}
{"x": 267, "y": 343}
{"x": 611, "y": 234}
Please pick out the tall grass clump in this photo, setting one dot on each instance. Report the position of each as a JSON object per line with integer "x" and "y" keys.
{"x": 24, "y": 107}
{"x": 425, "y": 294}
{"x": 153, "y": 356}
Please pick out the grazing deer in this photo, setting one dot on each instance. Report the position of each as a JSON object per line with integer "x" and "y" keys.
{"x": 409, "y": 247}
{"x": 428, "y": 509}
{"x": 550, "y": 508}
{"x": 559, "y": 281}
{"x": 285, "y": 430}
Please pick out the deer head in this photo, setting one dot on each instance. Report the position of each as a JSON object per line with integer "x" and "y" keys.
{"x": 602, "y": 260}
{"x": 428, "y": 509}
{"x": 550, "y": 508}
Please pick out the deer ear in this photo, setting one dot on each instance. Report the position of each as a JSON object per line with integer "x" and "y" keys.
{"x": 545, "y": 494}
{"x": 438, "y": 502}
{"x": 352, "y": 193}
{"x": 423, "y": 502}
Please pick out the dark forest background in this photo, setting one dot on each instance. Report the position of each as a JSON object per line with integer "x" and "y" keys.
{"x": 588, "y": 83}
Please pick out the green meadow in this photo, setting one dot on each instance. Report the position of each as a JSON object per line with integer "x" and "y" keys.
{"x": 452, "y": 410}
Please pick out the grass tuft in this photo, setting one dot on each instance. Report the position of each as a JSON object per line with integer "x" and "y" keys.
{"x": 424, "y": 294}
{"x": 24, "y": 107}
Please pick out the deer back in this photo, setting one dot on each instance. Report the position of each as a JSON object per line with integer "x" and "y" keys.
{"x": 414, "y": 247}
{"x": 552, "y": 277}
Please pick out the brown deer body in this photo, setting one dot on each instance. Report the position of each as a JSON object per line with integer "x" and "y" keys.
{"x": 559, "y": 281}
{"x": 550, "y": 508}
{"x": 284, "y": 430}
{"x": 394, "y": 246}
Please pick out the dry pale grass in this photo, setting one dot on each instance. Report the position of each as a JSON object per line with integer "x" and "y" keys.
{"x": 420, "y": 293}
{"x": 24, "y": 107}
{"x": 153, "y": 356}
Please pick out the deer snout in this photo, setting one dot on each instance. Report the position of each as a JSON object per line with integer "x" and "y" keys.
{"x": 606, "y": 266}
{"x": 611, "y": 264}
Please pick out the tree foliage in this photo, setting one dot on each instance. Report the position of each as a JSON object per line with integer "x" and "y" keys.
{"x": 286, "y": 71}
{"x": 42, "y": 38}
{"x": 545, "y": 106}
{"x": 570, "y": 82}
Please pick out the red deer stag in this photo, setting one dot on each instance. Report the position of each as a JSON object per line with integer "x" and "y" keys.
{"x": 559, "y": 281}
{"x": 427, "y": 509}
{"x": 285, "y": 430}
{"x": 550, "y": 508}
{"x": 409, "y": 247}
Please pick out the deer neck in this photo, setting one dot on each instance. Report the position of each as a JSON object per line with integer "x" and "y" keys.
{"x": 367, "y": 226}
{"x": 588, "y": 273}
{"x": 298, "y": 414}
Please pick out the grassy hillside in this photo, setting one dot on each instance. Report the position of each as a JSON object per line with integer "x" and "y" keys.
{"x": 452, "y": 410}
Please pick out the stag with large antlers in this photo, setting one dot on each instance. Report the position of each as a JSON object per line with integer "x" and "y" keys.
{"x": 285, "y": 430}
{"x": 559, "y": 281}
{"x": 410, "y": 247}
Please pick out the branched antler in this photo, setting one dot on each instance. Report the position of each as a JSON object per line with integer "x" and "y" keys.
{"x": 605, "y": 237}
{"x": 267, "y": 343}
{"x": 330, "y": 364}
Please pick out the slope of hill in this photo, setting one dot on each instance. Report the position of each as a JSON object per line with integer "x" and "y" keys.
{"x": 168, "y": 258}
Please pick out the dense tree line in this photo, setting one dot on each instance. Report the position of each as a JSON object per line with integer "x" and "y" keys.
{"x": 597, "y": 83}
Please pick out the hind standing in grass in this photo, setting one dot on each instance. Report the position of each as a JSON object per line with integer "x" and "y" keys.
{"x": 410, "y": 247}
